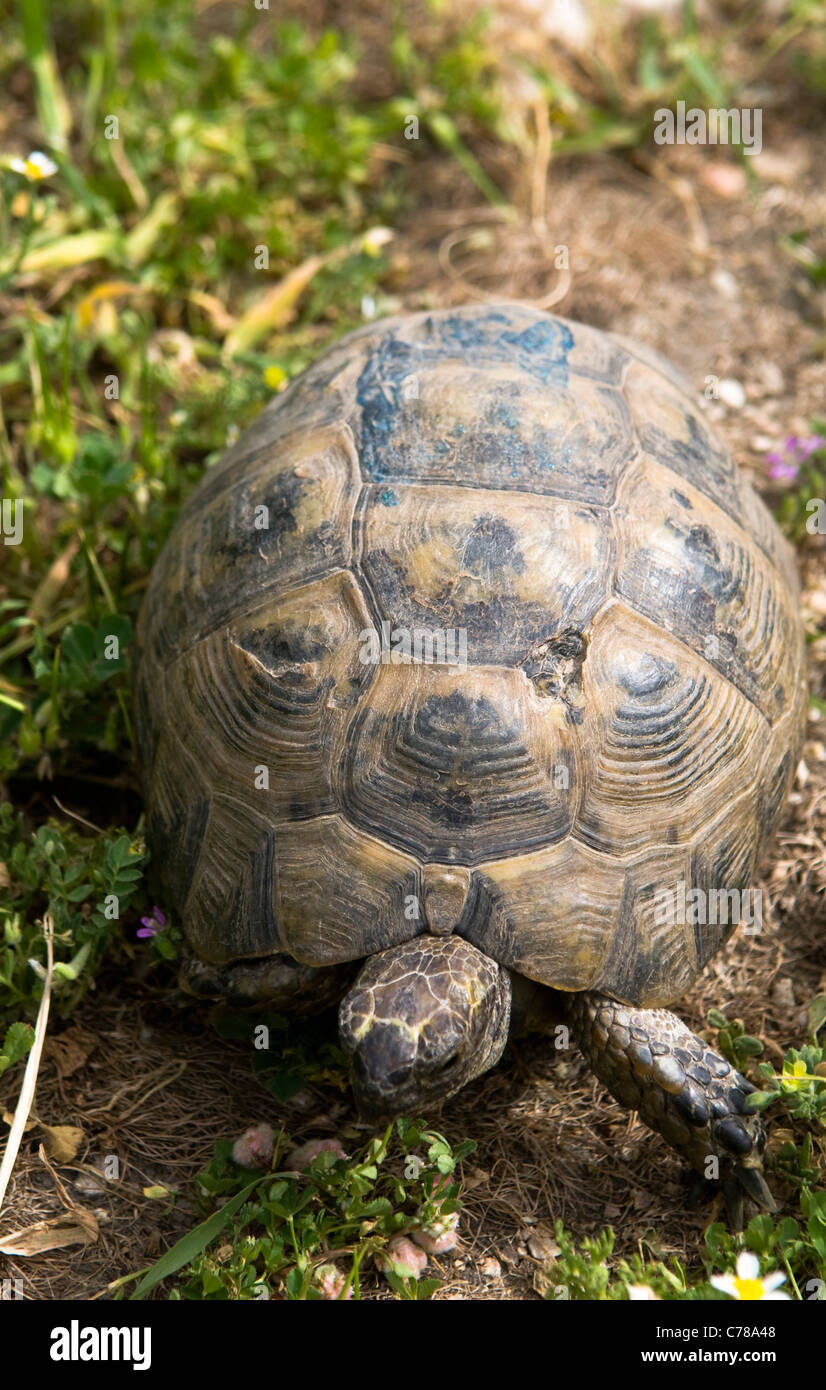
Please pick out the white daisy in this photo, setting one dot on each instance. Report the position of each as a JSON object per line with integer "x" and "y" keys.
{"x": 37, "y": 166}
{"x": 747, "y": 1284}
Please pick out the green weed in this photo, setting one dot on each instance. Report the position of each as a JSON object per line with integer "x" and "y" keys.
{"x": 286, "y": 1228}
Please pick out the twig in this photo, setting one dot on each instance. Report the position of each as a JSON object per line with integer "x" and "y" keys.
{"x": 75, "y": 816}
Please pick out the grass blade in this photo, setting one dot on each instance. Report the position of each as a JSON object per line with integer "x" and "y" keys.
{"x": 52, "y": 107}
{"x": 194, "y": 1242}
{"x": 27, "y": 1089}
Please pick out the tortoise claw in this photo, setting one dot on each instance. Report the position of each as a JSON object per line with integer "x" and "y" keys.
{"x": 753, "y": 1182}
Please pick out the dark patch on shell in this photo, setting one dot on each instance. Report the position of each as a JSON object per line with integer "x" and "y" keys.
{"x": 555, "y": 668}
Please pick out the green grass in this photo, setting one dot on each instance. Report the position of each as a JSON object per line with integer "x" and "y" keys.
{"x": 141, "y": 332}
{"x": 133, "y": 344}
{"x": 285, "y": 1226}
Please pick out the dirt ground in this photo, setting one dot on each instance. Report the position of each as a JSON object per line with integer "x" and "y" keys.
{"x": 672, "y": 247}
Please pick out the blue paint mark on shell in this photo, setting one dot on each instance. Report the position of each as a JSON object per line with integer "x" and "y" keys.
{"x": 541, "y": 349}
{"x": 546, "y": 346}
{"x": 482, "y": 340}
{"x": 388, "y": 498}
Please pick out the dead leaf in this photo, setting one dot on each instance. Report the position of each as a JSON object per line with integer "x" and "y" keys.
{"x": 75, "y": 1227}
{"x": 542, "y": 1244}
{"x": 475, "y": 1177}
{"x": 54, "y": 580}
{"x": 63, "y": 1141}
{"x": 212, "y": 306}
{"x": 70, "y": 1050}
{"x": 104, "y": 293}
{"x": 8, "y": 1118}
{"x": 273, "y": 309}
{"x": 95, "y": 244}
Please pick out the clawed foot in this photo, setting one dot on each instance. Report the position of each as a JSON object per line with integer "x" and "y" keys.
{"x": 651, "y": 1062}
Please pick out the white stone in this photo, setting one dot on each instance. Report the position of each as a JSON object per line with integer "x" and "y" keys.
{"x": 732, "y": 392}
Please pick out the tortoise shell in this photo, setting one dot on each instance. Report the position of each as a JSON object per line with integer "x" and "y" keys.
{"x": 476, "y": 629}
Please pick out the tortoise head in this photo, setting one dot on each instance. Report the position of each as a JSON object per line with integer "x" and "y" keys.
{"x": 421, "y": 1020}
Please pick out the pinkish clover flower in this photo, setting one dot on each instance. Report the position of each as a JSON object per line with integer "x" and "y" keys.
{"x": 331, "y": 1283}
{"x": 440, "y": 1236}
{"x": 303, "y": 1156}
{"x": 402, "y": 1257}
{"x": 255, "y": 1146}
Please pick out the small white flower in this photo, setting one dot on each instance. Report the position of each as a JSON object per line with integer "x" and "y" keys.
{"x": 639, "y": 1293}
{"x": 37, "y": 166}
{"x": 375, "y": 239}
{"x": 747, "y": 1284}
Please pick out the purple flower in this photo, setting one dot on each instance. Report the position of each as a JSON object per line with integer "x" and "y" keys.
{"x": 785, "y": 463}
{"x": 810, "y": 445}
{"x": 783, "y": 472}
{"x": 152, "y": 925}
{"x": 801, "y": 448}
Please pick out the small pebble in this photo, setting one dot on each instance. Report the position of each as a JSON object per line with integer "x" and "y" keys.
{"x": 542, "y": 1244}
{"x": 732, "y": 392}
{"x": 725, "y": 284}
{"x": 726, "y": 180}
{"x": 566, "y": 20}
{"x": 774, "y": 167}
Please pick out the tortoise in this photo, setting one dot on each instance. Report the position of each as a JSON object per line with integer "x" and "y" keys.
{"x": 469, "y": 693}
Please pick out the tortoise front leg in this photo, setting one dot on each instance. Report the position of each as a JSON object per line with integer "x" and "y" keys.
{"x": 277, "y": 982}
{"x": 651, "y": 1061}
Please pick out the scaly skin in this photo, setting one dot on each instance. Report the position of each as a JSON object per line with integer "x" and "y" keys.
{"x": 421, "y": 1020}
{"x": 651, "y": 1061}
